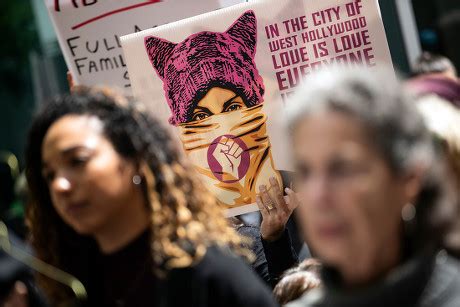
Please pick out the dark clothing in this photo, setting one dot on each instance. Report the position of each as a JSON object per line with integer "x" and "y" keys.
{"x": 219, "y": 279}
{"x": 125, "y": 278}
{"x": 297, "y": 243}
{"x": 11, "y": 270}
{"x": 424, "y": 281}
{"x": 272, "y": 258}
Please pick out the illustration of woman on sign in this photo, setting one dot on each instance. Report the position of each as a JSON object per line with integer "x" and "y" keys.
{"x": 215, "y": 94}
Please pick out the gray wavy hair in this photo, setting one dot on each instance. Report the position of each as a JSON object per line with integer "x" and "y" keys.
{"x": 395, "y": 127}
{"x": 375, "y": 98}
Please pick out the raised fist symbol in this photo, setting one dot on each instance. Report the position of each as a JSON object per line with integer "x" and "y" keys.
{"x": 228, "y": 154}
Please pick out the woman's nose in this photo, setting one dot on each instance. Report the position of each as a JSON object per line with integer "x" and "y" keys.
{"x": 61, "y": 184}
{"x": 319, "y": 189}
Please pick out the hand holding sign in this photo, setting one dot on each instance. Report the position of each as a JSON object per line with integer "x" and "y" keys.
{"x": 275, "y": 209}
{"x": 228, "y": 154}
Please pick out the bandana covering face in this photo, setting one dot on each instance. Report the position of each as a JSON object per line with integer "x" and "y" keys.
{"x": 230, "y": 150}
{"x": 232, "y": 153}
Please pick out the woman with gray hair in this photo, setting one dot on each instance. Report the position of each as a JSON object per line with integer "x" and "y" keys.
{"x": 374, "y": 208}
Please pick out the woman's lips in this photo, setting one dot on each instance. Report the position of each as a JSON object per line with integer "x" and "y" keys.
{"x": 75, "y": 208}
{"x": 330, "y": 230}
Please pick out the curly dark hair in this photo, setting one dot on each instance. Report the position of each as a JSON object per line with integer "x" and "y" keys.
{"x": 185, "y": 220}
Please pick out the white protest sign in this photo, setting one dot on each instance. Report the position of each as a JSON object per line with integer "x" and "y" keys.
{"x": 88, "y": 32}
{"x": 219, "y": 81}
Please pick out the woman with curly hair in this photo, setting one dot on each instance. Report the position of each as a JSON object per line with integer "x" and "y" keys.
{"x": 113, "y": 204}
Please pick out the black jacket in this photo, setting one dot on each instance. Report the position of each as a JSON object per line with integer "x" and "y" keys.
{"x": 272, "y": 258}
{"x": 423, "y": 281}
{"x": 220, "y": 278}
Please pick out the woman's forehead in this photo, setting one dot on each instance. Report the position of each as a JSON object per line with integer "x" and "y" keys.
{"x": 331, "y": 132}
{"x": 335, "y": 124}
{"x": 72, "y": 131}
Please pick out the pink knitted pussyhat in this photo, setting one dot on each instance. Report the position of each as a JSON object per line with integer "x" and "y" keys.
{"x": 205, "y": 60}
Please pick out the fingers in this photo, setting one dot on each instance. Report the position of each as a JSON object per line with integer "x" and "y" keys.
{"x": 239, "y": 152}
{"x": 233, "y": 149}
{"x": 293, "y": 201}
{"x": 236, "y": 149}
{"x": 274, "y": 200}
{"x": 230, "y": 147}
{"x": 228, "y": 141}
{"x": 224, "y": 141}
{"x": 266, "y": 199}
{"x": 278, "y": 195}
{"x": 221, "y": 148}
{"x": 262, "y": 208}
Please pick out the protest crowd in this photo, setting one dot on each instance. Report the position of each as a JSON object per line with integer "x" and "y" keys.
{"x": 117, "y": 208}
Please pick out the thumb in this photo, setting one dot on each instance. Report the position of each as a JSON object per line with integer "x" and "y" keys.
{"x": 293, "y": 201}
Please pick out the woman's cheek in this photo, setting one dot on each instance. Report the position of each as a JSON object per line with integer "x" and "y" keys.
{"x": 306, "y": 217}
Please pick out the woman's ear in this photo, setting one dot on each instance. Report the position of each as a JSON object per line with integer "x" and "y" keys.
{"x": 413, "y": 183}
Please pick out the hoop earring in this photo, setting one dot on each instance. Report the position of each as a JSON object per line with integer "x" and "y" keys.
{"x": 137, "y": 179}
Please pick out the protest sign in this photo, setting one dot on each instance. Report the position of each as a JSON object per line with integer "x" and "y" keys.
{"x": 89, "y": 30}
{"x": 220, "y": 81}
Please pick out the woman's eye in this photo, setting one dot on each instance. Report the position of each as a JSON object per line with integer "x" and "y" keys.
{"x": 233, "y": 107}
{"x": 48, "y": 176}
{"x": 344, "y": 169}
{"x": 302, "y": 173}
{"x": 76, "y": 162}
{"x": 200, "y": 116}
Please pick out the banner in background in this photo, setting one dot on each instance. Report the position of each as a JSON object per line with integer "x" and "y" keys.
{"x": 220, "y": 81}
{"x": 89, "y": 30}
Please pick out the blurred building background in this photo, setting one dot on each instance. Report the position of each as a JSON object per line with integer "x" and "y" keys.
{"x": 438, "y": 23}
{"x": 33, "y": 69}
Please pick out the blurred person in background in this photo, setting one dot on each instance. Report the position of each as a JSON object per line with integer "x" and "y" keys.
{"x": 443, "y": 121}
{"x": 17, "y": 287}
{"x": 11, "y": 205}
{"x": 274, "y": 239}
{"x": 435, "y": 74}
{"x": 298, "y": 280}
{"x": 112, "y": 204}
{"x": 374, "y": 206}
{"x": 434, "y": 65}
{"x": 438, "y": 99}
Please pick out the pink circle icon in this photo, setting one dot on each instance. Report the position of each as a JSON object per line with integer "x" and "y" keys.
{"x": 228, "y": 158}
